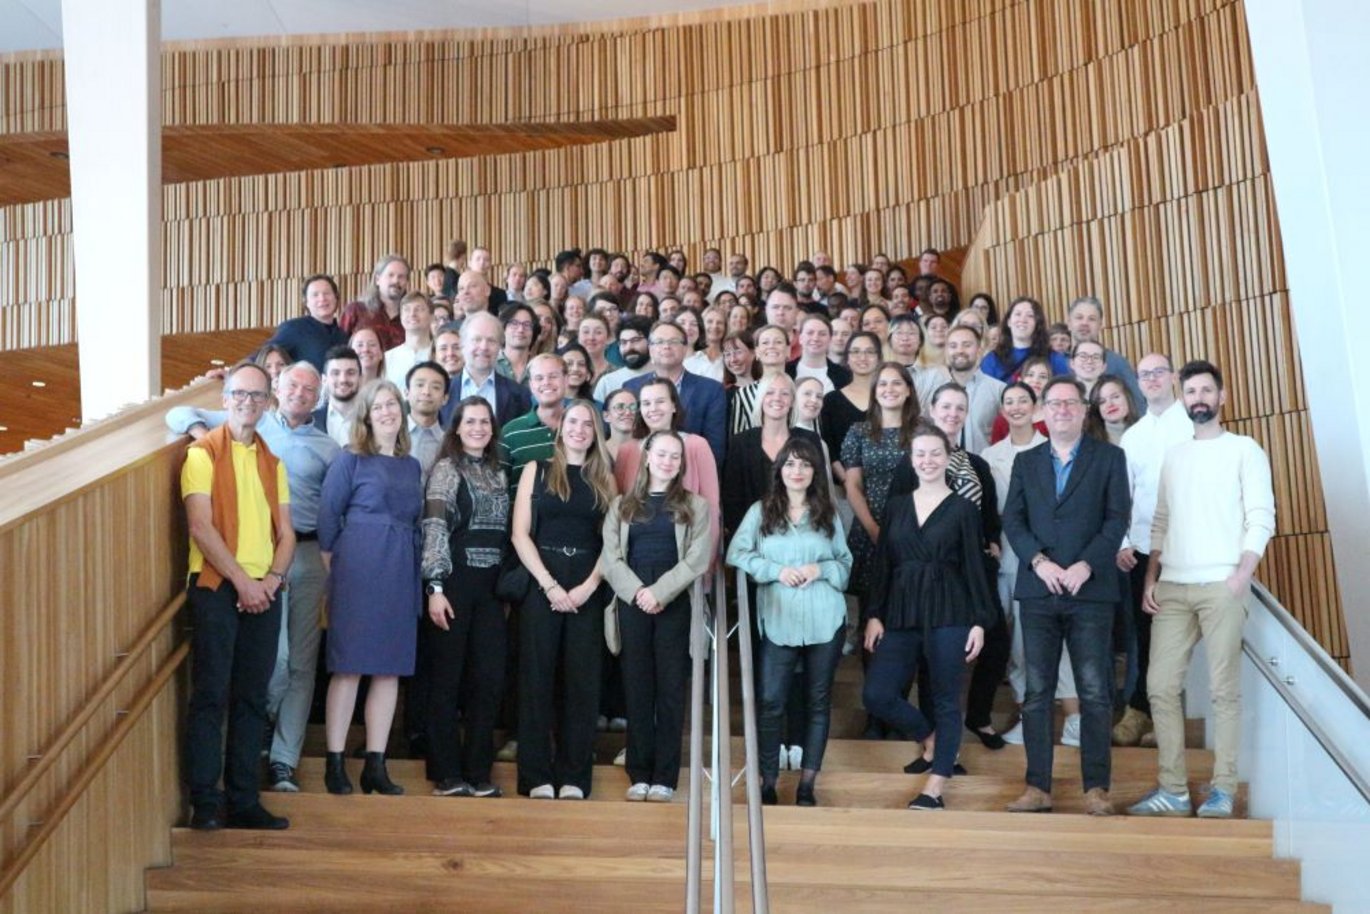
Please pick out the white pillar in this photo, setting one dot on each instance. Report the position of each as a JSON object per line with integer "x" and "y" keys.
{"x": 1312, "y": 72}
{"x": 112, "y": 52}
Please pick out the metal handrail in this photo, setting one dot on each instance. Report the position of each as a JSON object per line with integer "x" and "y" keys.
{"x": 698, "y": 649}
{"x": 756, "y": 830}
{"x": 723, "y": 757}
{"x": 1314, "y": 650}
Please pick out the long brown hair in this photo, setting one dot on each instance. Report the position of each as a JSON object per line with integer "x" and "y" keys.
{"x": 1041, "y": 341}
{"x": 451, "y": 441}
{"x": 363, "y": 438}
{"x": 633, "y": 505}
{"x": 640, "y": 429}
{"x": 908, "y": 416}
{"x": 775, "y": 504}
{"x": 595, "y": 471}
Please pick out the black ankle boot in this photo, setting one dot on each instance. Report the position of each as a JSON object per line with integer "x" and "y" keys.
{"x": 335, "y": 774}
{"x": 375, "y": 778}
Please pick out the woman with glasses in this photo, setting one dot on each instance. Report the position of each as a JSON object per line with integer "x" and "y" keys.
{"x": 620, "y": 409}
{"x": 843, "y": 408}
{"x": 368, "y": 531}
{"x": 561, "y": 619}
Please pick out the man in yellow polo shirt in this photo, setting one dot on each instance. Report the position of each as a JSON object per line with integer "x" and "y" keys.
{"x": 241, "y": 543}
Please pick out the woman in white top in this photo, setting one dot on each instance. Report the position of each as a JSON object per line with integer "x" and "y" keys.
{"x": 1018, "y": 405}
{"x": 707, "y": 359}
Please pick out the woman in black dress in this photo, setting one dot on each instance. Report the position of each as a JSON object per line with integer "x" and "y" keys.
{"x": 750, "y": 463}
{"x": 561, "y": 620}
{"x": 929, "y": 599}
{"x": 465, "y": 535}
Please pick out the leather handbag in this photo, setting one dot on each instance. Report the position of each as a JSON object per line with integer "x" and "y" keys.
{"x": 613, "y": 637}
{"x": 514, "y": 579}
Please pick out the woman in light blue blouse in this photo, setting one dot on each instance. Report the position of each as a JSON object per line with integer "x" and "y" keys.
{"x": 792, "y": 544}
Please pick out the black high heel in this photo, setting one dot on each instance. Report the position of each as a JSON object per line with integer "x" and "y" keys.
{"x": 335, "y": 775}
{"x": 376, "y": 778}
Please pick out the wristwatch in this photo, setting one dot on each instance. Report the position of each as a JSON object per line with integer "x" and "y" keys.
{"x": 433, "y": 587}
{"x": 1038, "y": 559}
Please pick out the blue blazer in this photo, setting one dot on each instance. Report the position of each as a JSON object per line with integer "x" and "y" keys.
{"x": 705, "y": 404}
{"x": 1086, "y": 523}
{"x": 512, "y": 400}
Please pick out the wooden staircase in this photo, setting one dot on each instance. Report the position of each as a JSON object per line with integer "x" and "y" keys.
{"x": 859, "y": 851}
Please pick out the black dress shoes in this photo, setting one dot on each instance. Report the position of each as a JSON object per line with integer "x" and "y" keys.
{"x": 768, "y": 795}
{"x": 256, "y": 817}
{"x": 207, "y": 818}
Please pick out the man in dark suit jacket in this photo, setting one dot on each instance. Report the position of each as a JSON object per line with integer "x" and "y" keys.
{"x": 1068, "y": 508}
{"x": 705, "y": 404}
{"x": 482, "y": 336}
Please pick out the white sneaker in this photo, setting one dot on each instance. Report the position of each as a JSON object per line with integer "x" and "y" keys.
{"x": 1014, "y": 736}
{"x": 570, "y": 792}
{"x": 637, "y": 792}
{"x": 543, "y": 792}
{"x": 1070, "y": 733}
{"x": 618, "y": 724}
{"x": 796, "y": 758}
{"x": 660, "y": 793}
{"x": 784, "y": 757}
{"x": 509, "y": 752}
{"x": 622, "y": 758}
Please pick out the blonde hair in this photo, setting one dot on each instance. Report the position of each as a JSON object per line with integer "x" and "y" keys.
{"x": 763, "y": 388}
{"x": 596, "y": 470}
{"x": 363, "y": 438}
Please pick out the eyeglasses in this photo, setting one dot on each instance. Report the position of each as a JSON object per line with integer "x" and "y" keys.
{"x": 1154, "y": 374}
{"x": 521, "y": 325}
{"x": 256, "y": 396}
{"x": 1088, "y": 357}
{"x": 1064, "y": 405}
{"x": 667, "y": 342}
{"x": 623, "y": 408}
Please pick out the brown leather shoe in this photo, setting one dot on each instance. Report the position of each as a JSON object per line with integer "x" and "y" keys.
{"x": 1032, "y": 800}
{"x": 1097, "y": 802}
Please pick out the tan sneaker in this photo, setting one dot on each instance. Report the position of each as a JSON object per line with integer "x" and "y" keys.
{"x": 1129, "y": 730}
{"x": 1148, "y": 740}
{"x": 1097, "y": 802}
{"x": 1032, "y": 800}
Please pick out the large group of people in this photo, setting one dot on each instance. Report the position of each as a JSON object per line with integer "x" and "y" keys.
{"x": 491, "y": 499}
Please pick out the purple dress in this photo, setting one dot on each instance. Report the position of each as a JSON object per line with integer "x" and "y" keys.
{"x": 369, "y": 520}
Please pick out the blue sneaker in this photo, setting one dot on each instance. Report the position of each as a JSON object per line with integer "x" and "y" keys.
{"x": 1162, "y": 803}
{"x": 1217, "y": 806}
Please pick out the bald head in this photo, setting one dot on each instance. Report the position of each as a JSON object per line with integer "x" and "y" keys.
{"x": 473, "y": 292}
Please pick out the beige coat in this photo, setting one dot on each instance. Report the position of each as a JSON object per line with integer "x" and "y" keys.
{"x": 693, "y": 544}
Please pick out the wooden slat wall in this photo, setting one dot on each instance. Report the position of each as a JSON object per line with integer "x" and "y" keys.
{"x": 92, "y": 543}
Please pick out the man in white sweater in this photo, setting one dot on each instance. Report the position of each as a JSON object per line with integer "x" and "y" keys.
{"x": 1215, "y": 512}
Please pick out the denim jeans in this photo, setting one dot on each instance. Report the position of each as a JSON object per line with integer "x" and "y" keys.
{"x": 1087, "y": 630}
{"x": 778, "y": 664}
{"x": 894, "y": 665}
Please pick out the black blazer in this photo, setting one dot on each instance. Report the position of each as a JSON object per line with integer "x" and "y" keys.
{"x": 512, "y": 400}
{"x": 747, "y": 472}
{"x": 1087, "y": 523}
{"x": 321, "y": 419}
{"x": 839, "y": 375}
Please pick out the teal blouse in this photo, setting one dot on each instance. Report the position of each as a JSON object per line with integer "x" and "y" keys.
{"x": 794, "y": 616}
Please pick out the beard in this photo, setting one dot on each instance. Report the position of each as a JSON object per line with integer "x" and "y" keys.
{"x": 634, "y": 359}
{"x": 1200, "y": 413}
{"x": 960, "y": 362}
{"x": 340, "y": 398}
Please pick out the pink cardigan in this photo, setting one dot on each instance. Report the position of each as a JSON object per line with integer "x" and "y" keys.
{"x": 701, "y": 475}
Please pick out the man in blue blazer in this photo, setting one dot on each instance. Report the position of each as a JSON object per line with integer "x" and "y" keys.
{"x": 706, "y": 406}
{"x": 482, "y": 337}
{"x": 1067, "y": 510}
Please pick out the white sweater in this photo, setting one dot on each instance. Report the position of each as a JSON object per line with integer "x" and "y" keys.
{"x": 1214, "y": 503}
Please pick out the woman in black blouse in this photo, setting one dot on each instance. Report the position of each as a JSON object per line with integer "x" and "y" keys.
{"x": 929, "y": 598}
{"x": 561, "y": 620}
{"x": 465, "y": 534}
{"x": 750, "y": 462}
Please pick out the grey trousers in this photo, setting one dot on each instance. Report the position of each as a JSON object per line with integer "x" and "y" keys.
{"x": 291, "y": 693}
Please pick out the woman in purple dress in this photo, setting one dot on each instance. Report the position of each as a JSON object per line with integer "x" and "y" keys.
{"x": 368, "y": 533}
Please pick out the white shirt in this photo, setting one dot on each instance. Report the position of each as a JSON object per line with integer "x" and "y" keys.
{"x": 802, "y": 371}
{"x": 616, "y": 379}
{"x": 720, "y": 282}
{"x": 1146, "y": 444}
{"x": 1215, "y": 502}
{"x": 982, "y": 391}
{"x": 403, "y": 357}
{"x": 339, "y": 426}
{"x": 1000, "y": 457}
{"x": 699, "y": 363}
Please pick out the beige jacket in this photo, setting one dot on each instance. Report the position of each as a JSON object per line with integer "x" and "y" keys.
{"x": 692, "y": 543}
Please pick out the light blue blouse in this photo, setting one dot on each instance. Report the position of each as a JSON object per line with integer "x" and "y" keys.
{"x": 794, "y": 616}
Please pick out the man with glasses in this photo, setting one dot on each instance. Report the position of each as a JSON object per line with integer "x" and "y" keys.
{"x": 1164, "y": 425}
{"x": 1215, "y": 513}
{"x": 306, "y": 451}
{"x": 521, "y": 328}
{"x": 1086, "y": 320}
{"x": 633, "y": 351}
{"x": 703, "y": 400}
{"x": 237, "y": 501}
{"x": 1065, "y": 517}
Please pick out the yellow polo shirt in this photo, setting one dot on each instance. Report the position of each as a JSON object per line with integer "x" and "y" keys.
{"x": 255, "y": 551}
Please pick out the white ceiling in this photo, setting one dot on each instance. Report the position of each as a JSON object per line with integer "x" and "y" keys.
{"x": 27, "y": 25}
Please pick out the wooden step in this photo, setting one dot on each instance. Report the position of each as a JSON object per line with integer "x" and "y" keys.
{"x": 804, "y": 899}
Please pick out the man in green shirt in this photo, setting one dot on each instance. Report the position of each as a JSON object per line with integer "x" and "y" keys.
{"x": 531, "y": 436}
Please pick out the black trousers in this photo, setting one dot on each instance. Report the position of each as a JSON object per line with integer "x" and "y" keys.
{"x": 656, "y": 672}
{"x": 779, "y": 665}
{"x": 559, "y": 680}
{"x": 465, "y": 677}
{"x": 1141, "y": 629}
{"x": 232, "y": 656}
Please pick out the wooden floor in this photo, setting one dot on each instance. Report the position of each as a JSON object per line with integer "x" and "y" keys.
{"x": 859, "y": 851}
{"x": 40, "y": 389}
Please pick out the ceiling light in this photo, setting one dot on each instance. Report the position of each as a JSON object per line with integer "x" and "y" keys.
{"x": 435, "y": 150}
{"x": 218, "y": 363}
{"x": 40, "y": 383}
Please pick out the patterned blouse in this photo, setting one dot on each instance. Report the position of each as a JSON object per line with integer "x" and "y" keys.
{"x": 466, "y": 517}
